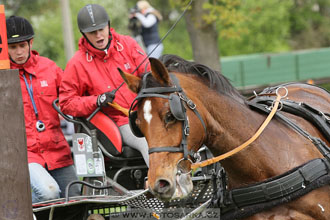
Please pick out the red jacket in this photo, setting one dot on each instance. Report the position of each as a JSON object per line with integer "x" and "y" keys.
{"x": 92, "y": 72}
{"x": 48, "y": 147}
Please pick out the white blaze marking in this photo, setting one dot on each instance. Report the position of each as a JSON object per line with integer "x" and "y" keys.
{"x": 147, "y": 111}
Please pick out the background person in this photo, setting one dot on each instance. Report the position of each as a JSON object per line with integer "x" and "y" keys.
{"x": 92, "y": 74}
{"x": 49, "y": 155}
{"x": 135, "y": 26}
{"x": 149, "y": 18}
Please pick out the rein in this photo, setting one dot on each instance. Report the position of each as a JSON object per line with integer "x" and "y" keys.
{"x": 248, "y": 142}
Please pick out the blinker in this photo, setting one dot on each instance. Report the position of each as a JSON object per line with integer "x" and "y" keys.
{"x": 176, "y": 107}
{"x": 134, "y": 128}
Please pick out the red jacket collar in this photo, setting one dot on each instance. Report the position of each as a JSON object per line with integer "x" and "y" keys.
{"x": 87, "y": 48}
{"x": 29, "y": 65}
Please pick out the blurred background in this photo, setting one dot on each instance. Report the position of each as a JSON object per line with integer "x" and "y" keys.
{"x": 224, "y": 34}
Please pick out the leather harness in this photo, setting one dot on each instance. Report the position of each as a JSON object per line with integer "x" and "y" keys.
{"x": 246, "y": 201}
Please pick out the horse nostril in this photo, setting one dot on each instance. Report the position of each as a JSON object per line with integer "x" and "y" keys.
{"x": 163, "y": 183}
{"x": 162, "y": 186}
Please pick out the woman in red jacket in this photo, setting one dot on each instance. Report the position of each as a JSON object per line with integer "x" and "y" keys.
{"x": 92, "y": 74}
{"x": 49, "y": 155}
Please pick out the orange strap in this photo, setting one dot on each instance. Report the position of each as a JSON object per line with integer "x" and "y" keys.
{"x": 244, "y": 145}
{"x": 119, "y": 108}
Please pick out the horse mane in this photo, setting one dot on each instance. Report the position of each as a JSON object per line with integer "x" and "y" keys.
{"x": 212, "y": 78}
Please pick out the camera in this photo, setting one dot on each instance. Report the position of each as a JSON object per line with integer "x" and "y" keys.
{"x": 134, "y": 25}
{"x": 134, "y": 10}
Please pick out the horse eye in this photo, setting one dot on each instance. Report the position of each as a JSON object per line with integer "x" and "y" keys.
{"x": 169, "y": 118}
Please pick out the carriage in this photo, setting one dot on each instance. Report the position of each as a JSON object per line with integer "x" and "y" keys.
{"x": 280, "y": 171}
{"x": 113, "y": 177}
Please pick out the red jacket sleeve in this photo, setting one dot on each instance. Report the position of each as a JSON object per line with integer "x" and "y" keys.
{"x": 71, "y": 99}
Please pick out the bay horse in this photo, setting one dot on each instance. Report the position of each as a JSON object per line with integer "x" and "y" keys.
{"x": 216, "y": 115}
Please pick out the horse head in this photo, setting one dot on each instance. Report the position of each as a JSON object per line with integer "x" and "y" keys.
{"x": 167, "y": 118}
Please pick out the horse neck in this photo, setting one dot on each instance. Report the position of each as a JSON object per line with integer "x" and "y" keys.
{"x": 230, "y": 122}
{"x": 224, "y": 115}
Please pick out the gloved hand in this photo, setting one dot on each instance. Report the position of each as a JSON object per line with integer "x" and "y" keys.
{"x": 103, "y": 99}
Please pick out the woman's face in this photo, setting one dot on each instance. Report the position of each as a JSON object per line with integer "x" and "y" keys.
{"x": 19, "y": 52}
{"x": 99, "y": 38}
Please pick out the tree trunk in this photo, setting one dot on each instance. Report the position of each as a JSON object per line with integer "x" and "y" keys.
{"x": 203, "y": 36}
{"x": 68, "y": 36}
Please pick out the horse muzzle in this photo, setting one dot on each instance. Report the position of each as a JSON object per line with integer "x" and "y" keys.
{"x": 163, "y": 189}
{"x": 183, "y": 186}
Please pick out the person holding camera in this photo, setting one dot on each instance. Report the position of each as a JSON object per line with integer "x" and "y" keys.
{"x": 149, "y": 19}
{"x": 49, "y": 155}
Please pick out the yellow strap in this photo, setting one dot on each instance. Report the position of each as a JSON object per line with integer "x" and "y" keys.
{"x": 119, "y": 108}
{"x": 244, "y": 145}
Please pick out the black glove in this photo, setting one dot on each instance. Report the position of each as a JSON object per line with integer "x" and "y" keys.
{"x": 103, "y": 99}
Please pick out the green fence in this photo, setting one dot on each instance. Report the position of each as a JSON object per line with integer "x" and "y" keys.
{"x": 267, "y": 69}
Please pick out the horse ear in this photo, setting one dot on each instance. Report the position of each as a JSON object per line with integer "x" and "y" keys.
{"x": 132, "y": 81}
{"x": 159, "y": 71}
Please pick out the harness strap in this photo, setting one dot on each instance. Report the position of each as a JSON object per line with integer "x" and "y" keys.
{"x": 282, "y": 185}
{"x": 264, "y": 108}
{"x": 192, "y": 106}
{"x": 159, "y": 90}
{"x": 200, "y": 118}
{"x": 185, "y": 133}
{"x": 163, "y": 149}
{"x": 321, "y": 146}
{"x": 319, "y": 119}
{"x": 245, "y": 144}
{"x": 277, "y": 190}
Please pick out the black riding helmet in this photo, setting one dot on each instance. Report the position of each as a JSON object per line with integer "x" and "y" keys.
{"x": 92, "y": 17}
{"x": 18, "y": 29}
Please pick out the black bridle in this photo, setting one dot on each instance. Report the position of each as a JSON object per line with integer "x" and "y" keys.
{"x": 178, "y": 102}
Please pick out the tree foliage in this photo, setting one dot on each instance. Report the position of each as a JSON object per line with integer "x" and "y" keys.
{"x": 266, "y": 28}
{"x": 243, "y": 26}
{"x": 228, "y": 17}
{"x": 309, "y": 24}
